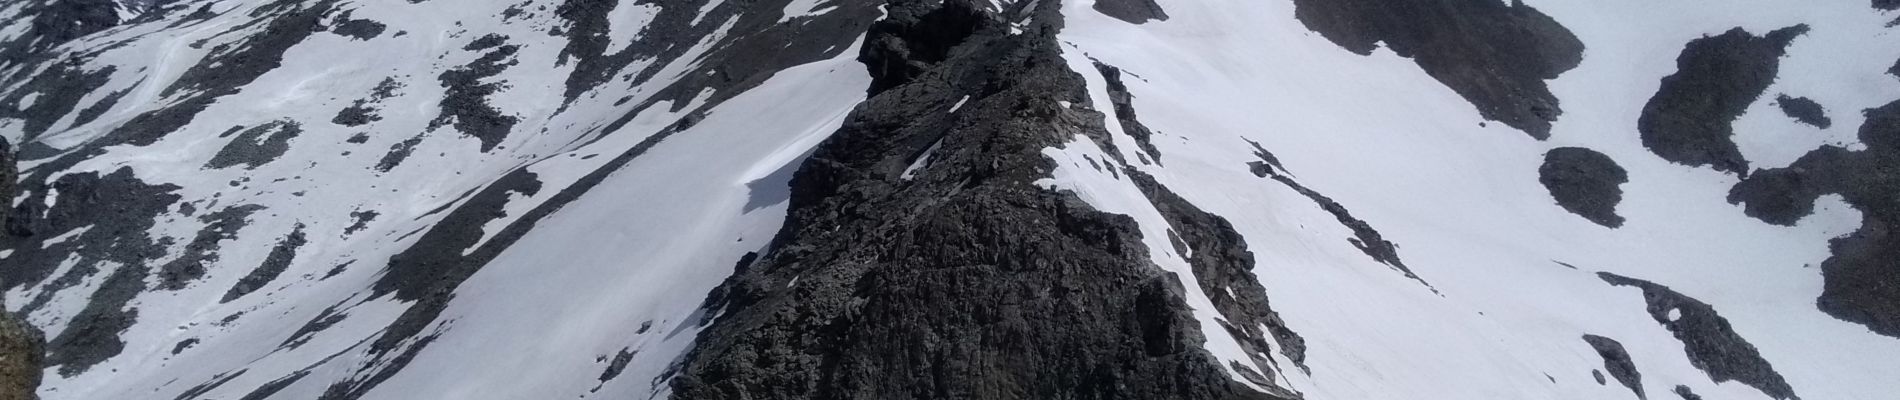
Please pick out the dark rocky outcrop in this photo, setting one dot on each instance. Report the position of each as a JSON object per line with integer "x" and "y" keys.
{"x": 944, "y": 285}
{"x": 1686, "y": 394}
{"x": 1367, "y": 239}
{"x": 52, "y": 23}
{"x": 359, "y": 29}
{"x": 115, "y": 211}
{"x": 22, "y": 347}
{"x": 274, "y": 265}
{"x": 465, "y": 102}
{"x": 1617, "y": 361}
{"x": 1689, "y": 120}
{"x": 1585, "y": 182}
{"x": 1711, "y": 344}
{"x": 199, "y": 254}
{"x": 1804, "y": 110}
{"x": 365, "y": 110}
{"x": 1133, "y": 11}
{"x": 1861, "y": 280}
{"x": 52, "y": 94}
{"x": 1125, "y": 112}
{"x": 1495, "y": 54}
{"x": 256, "y": 146}
{"x": 1223, "y": 268}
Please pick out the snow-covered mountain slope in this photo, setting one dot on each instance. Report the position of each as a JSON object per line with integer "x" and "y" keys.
{"x": 696, "y": 199}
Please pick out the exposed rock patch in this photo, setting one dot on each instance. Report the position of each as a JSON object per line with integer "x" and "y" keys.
{"x": 1496, "y": 55}
{"x": 465, "y": 103}
{"x": 51, "y": 94}
{"x": 1585, "y": 182}
{"x": 359, "y": 29}
{"x": 1617, "y": 361}
{"x": 1132, "y": 11}
{"x": 256, "y": 146}
{"x": 1804, "y": 110}
{"x": 1690, "y": 119}
{"x": 1223, "y": 268}
{"x": 202, "y": 251}
{"x": 1367, "y": 239}
{"x": 274, "y": 264}
{"x": 55, "y": 22}
{"x": 1861, "y": 280}
{"x": 1712, "y": 346}
{"x": 1686, "y": 394}
{"x": 364, "y": 111}
{"x": 22, "y": 347}
{"x": 1125, "y": 111}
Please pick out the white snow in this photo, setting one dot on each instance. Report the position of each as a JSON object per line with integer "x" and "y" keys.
{"x": 923, "y": 160}
{"x": 803, "y": 8}
{"x": 1406, "y": 155}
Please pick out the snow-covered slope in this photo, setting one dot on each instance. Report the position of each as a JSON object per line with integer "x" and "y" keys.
{"x": 507, "y": 199}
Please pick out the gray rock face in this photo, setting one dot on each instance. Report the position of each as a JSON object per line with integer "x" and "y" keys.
{"x": 1711, "y": 344}
{"x": 22, "y": 347}
{"x": 1133, "y": 11}
{"x": 1617, "y": 361}
{"x": 1585, "y": 182}
{"x": 1495, "y": 55}
{"x": 1689, "y": 119}
{"x": 945, "y": 285}
{"x": 1862, "y": 278}
{"x": 1804, "y": 110}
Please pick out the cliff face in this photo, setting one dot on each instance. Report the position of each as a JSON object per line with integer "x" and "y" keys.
{"x": 21, "y": 345}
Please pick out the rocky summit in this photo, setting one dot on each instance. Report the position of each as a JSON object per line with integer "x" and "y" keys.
{"x": 949, "y": 199}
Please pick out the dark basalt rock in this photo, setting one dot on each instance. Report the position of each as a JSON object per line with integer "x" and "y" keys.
{"x": 910, "y": 42}
{"x": 253, "y": 148}
{"x": 274, "y": 265}
{"x": 1585, "y": 182}
{"x": 1861, "y": 280}
{"x": 1125, "y": 110}
{"x": 943, "y": 285}
{"x": 1711, "y": 344}
{"x": 1223, "y": 267}
{"x": 1689, "y": 120}
{"x": 1132, "y": 11}
{"x": 1617, "y": 361}
{"x": 1804, "y": 110}
{"x": 1495, "y": 55}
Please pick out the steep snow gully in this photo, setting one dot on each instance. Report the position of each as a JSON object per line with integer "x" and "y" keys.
{"x": 969, "y": 199}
